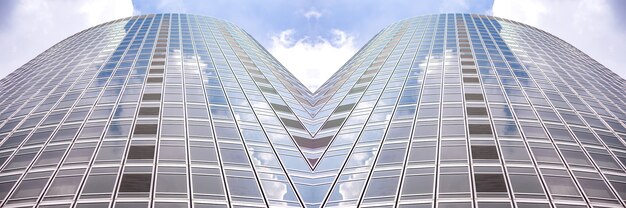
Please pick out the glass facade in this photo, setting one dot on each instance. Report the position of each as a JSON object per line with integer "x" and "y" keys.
{"x": 449, "y": 111}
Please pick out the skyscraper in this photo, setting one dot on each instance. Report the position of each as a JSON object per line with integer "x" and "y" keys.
{"x": 175, "y": 110}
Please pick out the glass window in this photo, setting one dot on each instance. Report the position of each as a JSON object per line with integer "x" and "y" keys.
{"x": 197, "y": 112}
{"x": 422, "y": 153}
{"x": 80, "y": 154}
{"x": 202, "y": 153}
{"x": 99, "y": 184}
{"x": 110, "y": 153}
{"x": 146, "y": 129}
{"x": 141, "y": 152}
{"x": 233, "y": 155}
{"x": 418, "y": 184}
{"x": 199, "y": 130}
{"x": 453, "y": 153}
{"x": 149, "y": 111}
{"x": 454, "y": 183}
{"x": 172, "y": 128}
{"x": 30, "y": 188}
{"x": 151, "y": 97}
{"x": 545, "y": 154}
{"x": 490, "y": 183}
{"x": 595, "y": 188}
{"x": 136, "y": 183}
{"x": 243, "y": 187}
{"x": 175, "y": 183}
{"x": 479, "y": 129}
{"x": 484, "y": 152}
{"x": 172, "y": 152}
{"x": 64, "y": 185}
{"x": 207, "y": 184}
{"x": 525, "y": 183}
{"x": 515, "y": 153}
{"x": 575, "y": 157}
{"x": 391, "y": 156}
{"x": 382, "y": 187}
{"x": 604, "y": 160}
{"x": 50, "y": 157}
{"x": 561, "y": 185}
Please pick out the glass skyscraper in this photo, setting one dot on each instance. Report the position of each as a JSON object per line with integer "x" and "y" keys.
{"x": 447, "y": 111}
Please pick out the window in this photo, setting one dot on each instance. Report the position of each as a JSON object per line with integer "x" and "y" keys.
{"x": 292, "y": 123}
{"x": 233, "y": 155}
{"x": 453, "y": 152}
{"x": 145, "y": 129}
{"x": 422, "y": 153}
{"x": 243, "y": 187}
{"x": 596, "y": 188}
{"x": 418, "y": 184}
{"x": 342, "y": 108}
{"x": 479, "y": 129}
{"x": 50, "y": 157}
{"x": 454, "y": 205}
{"x": 494, "y": 204}
{"x": 332, "y": 123}
{"x": 207, "y": 184}
{"x": 484, "y": 152}
{"x": 136, "y": 183}
{"x": 202, "y": 153}
{"x": 156, "y": 71}
{"x": 515, "y": 153}
{"x": 64, "y": 185}
{"x": 199, "y": 130}
{"x": 30, "y": 188}
{"x": 141, "y": 152}
{"x": 490, "y": 183}
{"x": 454, "y": 183}
{"x": 470, "y": 79}
{"x": 474, "y": 97}
{"x": 268, "y": 89}
{"x": 152, "y": 97}
{"x": 99, "y": 184}
{"x": 382, "y": 187}
{"x": 176, "y": 183}
{"x": 575, "y": 157}
{"x": 356, "y": 90}
{"x": 400, "y": 132}
{"x": 561, "y": 185}
{"x": 131, "y": 204}
{"x": 428, "y": 112}
{"x": 469, "y": 71}
{"x": 476, "y": 111}
{"x": 172, "y": 128}
{"x": 391, "y": 156}
{"x": 155, "y": 80}
{"x": 525, "y": 184}
{"x": 172, "y": 150}
{"x": 545, "y": 154}
{"x": 149, "y": 111}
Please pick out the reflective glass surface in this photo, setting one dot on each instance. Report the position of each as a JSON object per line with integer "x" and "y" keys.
{"x": 448, "y": 110}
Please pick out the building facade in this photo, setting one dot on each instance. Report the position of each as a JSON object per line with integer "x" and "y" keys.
{"x": 448, "y": 111}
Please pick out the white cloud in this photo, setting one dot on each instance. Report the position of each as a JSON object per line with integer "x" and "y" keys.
{"x": 454, "y": 5}
{"x": 313, "y": 14}
{"x": 313, "y": 61}
{"x": 172, "y": 6}
{"x": 592, "y": 26}
{"x": 34, "y": 26}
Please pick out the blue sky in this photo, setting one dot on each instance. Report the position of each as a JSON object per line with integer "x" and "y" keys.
{"x": 312, "y": 38}
{"x": 312, "y": 18}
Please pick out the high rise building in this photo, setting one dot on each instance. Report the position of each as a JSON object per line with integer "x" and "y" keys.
{"x": 448, "y": 111}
